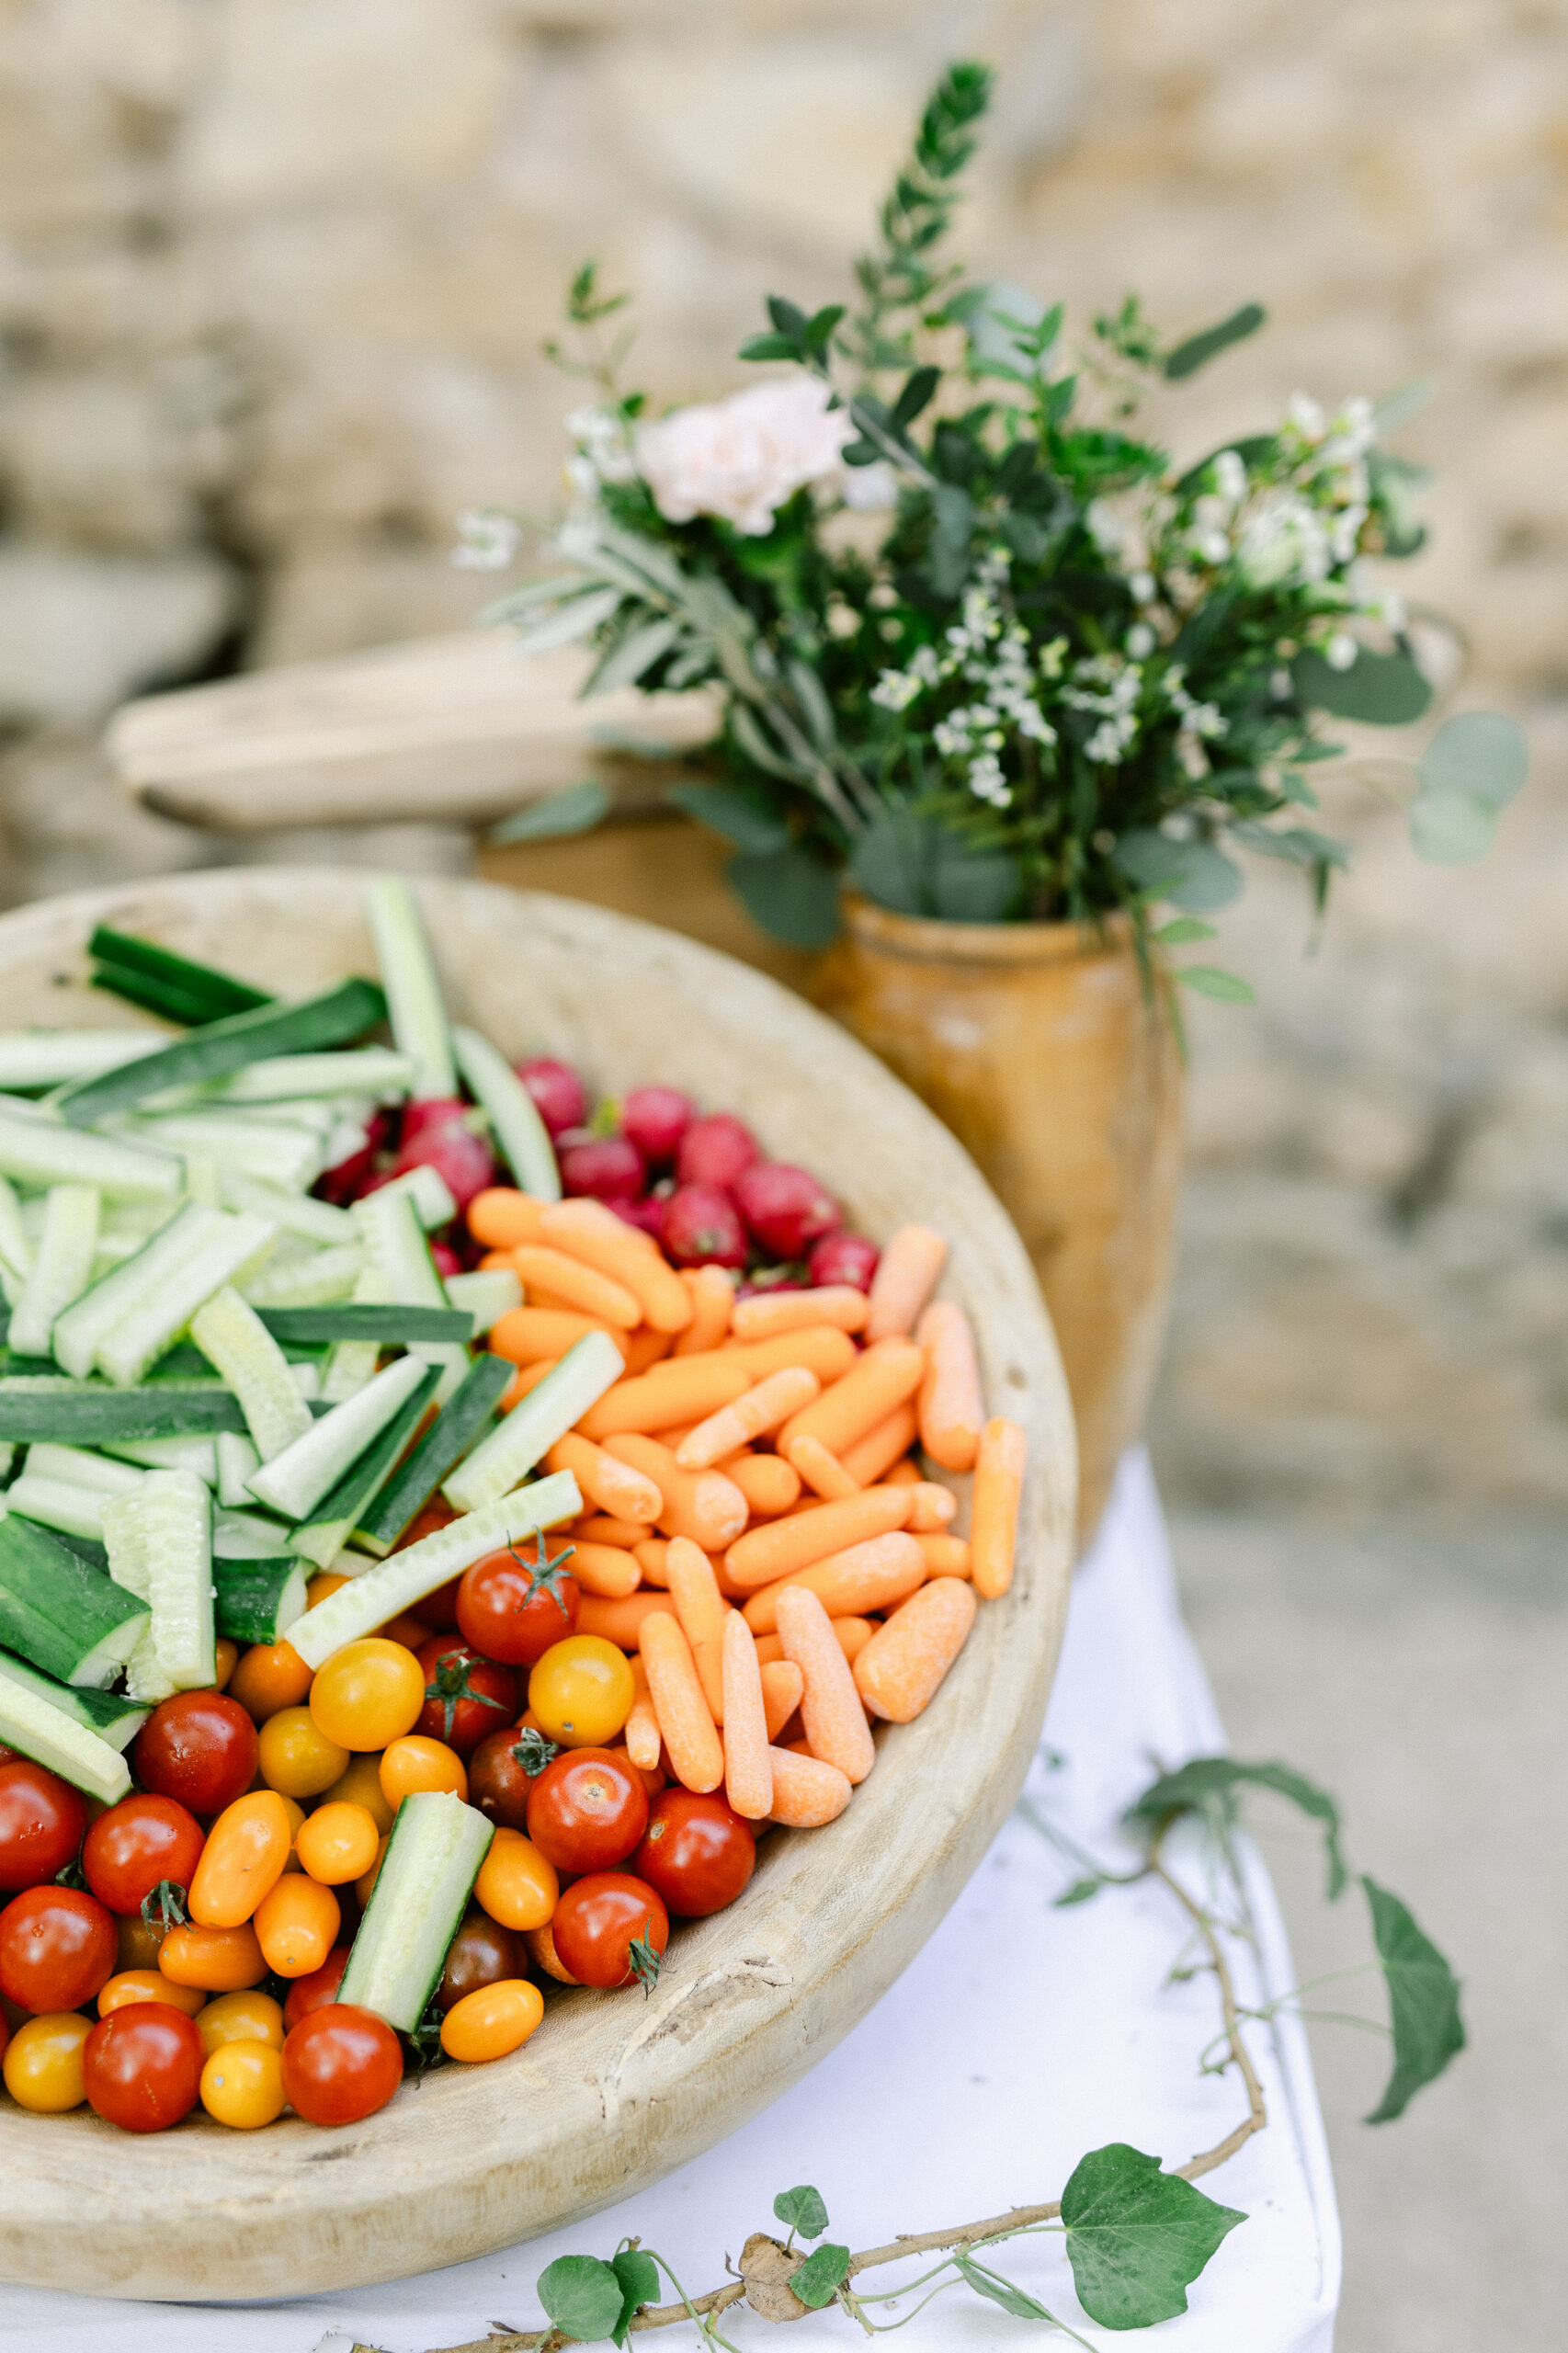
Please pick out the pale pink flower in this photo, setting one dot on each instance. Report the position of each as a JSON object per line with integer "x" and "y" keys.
{"x": 740, "y": 459}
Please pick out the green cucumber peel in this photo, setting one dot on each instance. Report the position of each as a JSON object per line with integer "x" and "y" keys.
{"x": 458, "y": 1425}
{"x": 331, "y": 1018}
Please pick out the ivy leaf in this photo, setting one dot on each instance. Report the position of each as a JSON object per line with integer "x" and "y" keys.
{"x": 1211, "y": 980}
{"x": 583, "y": 2296}
{"x": 986, "y": 2282}
{"x": 739, "y": 816}
{"x": 572, "y": 811}
{"x": 789, "y": 893}
{"x": 801, "y": 2209}
{"x": 1190, "y": 874}
{"x": 1380, "y": 689}
{"x": 639, "y": 2276}
{"x": 1470, "y": 771}
{"x": 1424, "y": 2002}
{"x": 1198, "y": 349}
{"x": 1136, "y": 2237}
{"x": 1204, "y": 1780}
{"x": 821, "y": 2276}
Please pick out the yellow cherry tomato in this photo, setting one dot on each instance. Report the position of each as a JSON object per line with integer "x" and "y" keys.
{"x": 248, "y": 2016}
{"x": 295, "y": 1926}
{"x": 269, "y": 1675}
{"x": 581, "y": 1691}
{"x": 414, "y": 1763}
{"x": 361, "y": 1785}
{"x": 148, "y": 1985}
{"x": 245, "y": 1851}
{"x": 322, "y": 1586}
{"x": 297, "y": 1758}
{"x": 228, "y": 1659}
{"x": 221, "y": 1961}
{"x": 369, "y": 1693}
{"x": 364, "y": 1887}
{"x": 337, "y": 1843}
{"x": 242, "y": 2084}
{"x": 43, "y": 2062}
{"x": 492, "y": 2020}
{"x": 516, "y": 1885}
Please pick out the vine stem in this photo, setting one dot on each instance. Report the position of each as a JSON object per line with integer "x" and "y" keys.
{"x": 966, "y": 2235}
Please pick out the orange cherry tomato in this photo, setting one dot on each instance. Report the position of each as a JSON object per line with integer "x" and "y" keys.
{"x": 148, "y": 1985}
{"x": 228, "y": 1655}
{"x": 247, "y": 2016}
{"x": 322, "y": 1586}
{"x": 414, "y": 1763}
{"x": 43, "y": 2062}
{"x": 244, "y": 1857}
{"x": 269, "y": 1675}
{"x": 221, "y": 1961}
{"x": 491, "y": 2020}
{"x": 337, "y": 1843}
{"x": 361, "y": 1785}
{"x": 369, "y": 1693}
{"x": 242, "y": 2084}
{"x": 516, "y": 1885}
{"x": 297, "y": 1758}
{"x": 296, "y": 1925}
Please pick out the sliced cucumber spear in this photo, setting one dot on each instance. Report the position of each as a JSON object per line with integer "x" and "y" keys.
{"x": 311, "y": 1278}
{"x": 294, "y": 1213}
{"x": 395, "y": 1585}
{"x": 401, "y": 1257}
{"x": 59, "y": 1613}
{"x": 486, "y": 1294}
{"x": 257, "y": 1601}
{"x": 39, "y": 1057}
{"x": 197, "y": 1454}
{"x": 460, "y": 1422}
{"x": 432, "y": 1859}
{"x": 369, "y": 1070}
{"x": 414, "y": 1008}
{"x": 16, "y": 1250}
{"x": 530, "y": 1429}
{"x": 110, "y": 1714}
{"x": 237, "y": 1457}
{"x": 219, "y": 1047}
{"x": 79, "y": 1330}
{"x": 519, "y": 1133}
{"x": 212, "y": 993}
{"x": 32, "y": 1723}
{"x": 390, "y": 1327}
{"x": 238, "y": 1344}
{"x": 323, "y": 1535}
{"x": 39, "y": 1151}
{"x": 61, "y": 1270}
{"x": 294, "y": 1482}
{"x": 51, "y": 1407}
{"x": 164, "y": 1534}
{"x": 151, "y": 1322}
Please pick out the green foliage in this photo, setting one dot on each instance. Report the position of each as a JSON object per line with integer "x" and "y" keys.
{"x": 1137, "y": 2237}
{"x": 1213, "y": 981}
{"x": 1380, "y": 689}
{"x": 583, "y": 2296}
{"x": 1189, "y": 872}
{"x": 743, "y": 816}
{"x": 821, "y": 2276}
{"x": 1197, "y": 350}
{"x": 573, "y": 810}
{"x": 1208, "y": 1785}
{"x": 639, "y": 2276}
{"x": 997, "y": 2291}
{"x": 907, "y": 863}
{"x": 1470, "y": 771}
{"x": 1424, "y": 2002}
{"x": 789, "y": 893}
{"x": 801, "y": 2209}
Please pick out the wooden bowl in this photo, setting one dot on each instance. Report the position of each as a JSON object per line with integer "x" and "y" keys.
{"x": 614, "y": 2090}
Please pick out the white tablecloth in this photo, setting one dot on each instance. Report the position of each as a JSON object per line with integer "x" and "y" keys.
{"x": 1020, "y": 2037}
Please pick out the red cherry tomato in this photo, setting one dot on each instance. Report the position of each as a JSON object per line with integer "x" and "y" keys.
{"x": 339, "y": 2064}
{"x": 587, "y": 1811}
{"x": 58, "y": 1945}
{"x": 465, "y": 1696}
{"x": 598, "y": 1923}
{"x": 697, "y": 1851}
{"x": 482, "y": 1953}
{"x": 312, "y": 1992}
{"x": 513, "y": 1608}
{"x": 41, "y": 1821}
{"x": 137, "y": 1843}
{"x": 200, "y": 1747}
{"x": 141, "y": 2066}
{"x": 499, "y": 1782}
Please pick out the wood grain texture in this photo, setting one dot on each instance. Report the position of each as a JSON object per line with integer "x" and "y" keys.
{"x": 613, "y": 2091}
{"x": 1038, "y": 1045}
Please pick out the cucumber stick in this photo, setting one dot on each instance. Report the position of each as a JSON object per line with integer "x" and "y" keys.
{"x": 37, "y": 1151}
{"x": 229, "y": 1246}
{"x": 292, "y": 1213}
{"x": 530, "y": 1429}
{"x": 241, "y": 1349}
{"x": 197, "y": 1454}
{"x": 237, "y": 1457}
{"x": 308, "y": 1278}
{"x": 110, "y": 1714}
{"x": 460, "y": 1424}
{"x": 16, "y": 1249}
{"x": 91, "y": 1319}
{"x": 51, "y": 1407}
{"x": 294, "y": 1482}
{"x": 257, "y": 1601}
{"x": 247, "y": 1536}
{"x": 372, "y": 1071}
{"x": 281, "y": 1151}
{"x": 323, "y": 1535}
{"x": 213, "y": 994}
{"x": 415, "y": 1009}
{"x": 219, "y": 1047}
{"x": 429, "y": 1192}
{"x": 421, "y": 1890}
{"x": 396, "y": 1584}
{"x": 400, "y": 1254}
{"x": 59, "y": 1613}
{"x": 63, "y": 1504}
{"x": 32, "y": 1725}
{"x": 61, "y": 1270}
{"x": 32, "y": 1059}
{"x": 164, "y": 1534}
{"x": 519, "y": 1133}
{"x": 486, "y": 1294}
{"x": 390, "y": 1327}
{"x": 80, "y": 1468}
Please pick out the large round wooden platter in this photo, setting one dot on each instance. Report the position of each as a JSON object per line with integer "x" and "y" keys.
{"x": 614, "y": 2090}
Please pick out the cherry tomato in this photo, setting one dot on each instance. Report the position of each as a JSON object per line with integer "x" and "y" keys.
{"x": 610, "y": 1927}
{"x": 482, "y": 1953}
{"x": 247, "y": 1850}
{"x": 227, "y": 1655}
{"x": 139, "y": 1941}
{"x": 130, "y": 1985}
{"x": 269, "y": 1675}
{"x": 581, "y": 1691}
{"x": 57, "y": 1947}
{"x": 340, "y": 2063}
{"x": 337, "y": 1843}
{"x": 200, "y": 1748}
{"x": 295, "y": 1926}
{"x": 542, "y": 1953}
{"x": 41, "y": 1821}
{"x": 513, "y": 1608}
{"x": 250, "y": 2017}
{"x": 697, "y": 1851}
{"x": 221, "y": 1961}
{"x": 312, "y": 1992}
{"x": 141, "y": 2067}
{"x": 501, "y": 1776}
{"x": 43, "y": 2064}
{"x": 491, "y": 2020}
{"x": 297, "y": 1758}
{"x": 361, "y": 1785}
{"x": 414, "y": 1763}
{"x": 587, "y": 1811}
{"x": 242, "y": 2084}
{"x": 516, "y": 1885}
{"x": 137, "y": 1843}
{"x": 368, "y": 1693}
{"x": 465, "y": 1696}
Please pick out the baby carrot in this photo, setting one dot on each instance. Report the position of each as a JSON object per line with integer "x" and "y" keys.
{"x": 651, "y": 1553}
{"x": 645, "y": 1348}
{"x": 853, "y": 1634}
{"x": 619, "y": 1622}
{"x": 864, "y": 1577}
{"x": 601, "y": 1528}
{"x": 825, "y": 1350}
{"x": 831, "y": 1710}
{"x": 806, "y": 1793}
{"x": 501, "y": 1218}
{"x": 889, "y": 1372}
{"x": 768, "y": 1312}
{"x": 702, "y": 1611}
{"x": 713, "y": 1292}
{"x": 642, "y": 1734}
{"x": 495, "y": 1260}
{"x": 524, "y": 1334}
{"x": 877, "y": 1455}
{"x": 577, "y": 1285}
{"x": 615, "y": 1486}
{"x": 902, "y": 1666}
{"x": 823, "y": 1472}
{"x": 761, "y": 1409}
{"x": 702, "y": 1504}
{"x": 586, "y": 1229}
{"x": 605, "y": 1570}
{"x": 945, "y": 1556}
{"x": 685, "y": 1720}
{"x": 933, "y": 1506}
{"x": 994, "y": 1510}
{"x": 682, "y": 1389}
{"x": 748, "y": 1775}
{"x": 770, "y": 1485}
{"x": 766, "y": 1553}
{"x": 782, "y": 1684}
{"x": 907, "y": 1273}
{"x": 951, "y": 1409}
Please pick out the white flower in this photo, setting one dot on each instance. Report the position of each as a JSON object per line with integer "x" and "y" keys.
{"x": 1304, "y": 414}
{"x": 601, "y": 434}
{"x": 1142, "y": 587}
{"x": 1140, "y": 641}
{"x": 1341, "y": 651}
{"x": 1229, "y": 477}
{"x": 487, "y": 541}
{"x": 740, "y": 459}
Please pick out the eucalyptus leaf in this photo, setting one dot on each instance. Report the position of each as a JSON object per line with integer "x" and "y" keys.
{"x": 1191, "y": 874}
{"x": 821, "y": 2276}
{"x": 801, "y": 2209}
{"x": 639, "y": 2276}
{"x": 747, "y": 731}
{"x": 1202, "y": 1780}
{"x": 1470, "y": 771}
{"x": 1380, "y": 689}
{"x": 583, "y": 2296}
{"x": 1397, "y": 408}
{"x": 1137, "y": 2237}
{"x": 730, "y": 810}
{"x": 789, "y": 893}
{"x": 573, "y": 810}
{"x": 575, "y": 617}
{"x": 1212, "y": 979}
{"x": 1198, "y": 349}
{"x": 1297, "y": 844}
{"x": 635, "y": 654}
{"x": 908, "y": 863}
{"x": 1424, "y": 2002}
{"x": 1181, "y": 931}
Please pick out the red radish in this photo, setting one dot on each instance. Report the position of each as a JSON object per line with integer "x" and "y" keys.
{"x": 348, "y": 1179}
{"x": 655, "y": 1118}
{"x": 608, "y": 1169}
{"x": 456, "y": 1153}
{"x": 445, "y": 1259}
{"x": 431, "y": 1112}
{"x": 714, "y": 1151}
{"x": 559, "y": 1097}
{"x": 843, "y": 1258}
{"x": 701, "y": 1227}
{"x": 647, "y": 1215}
{"x": 785, "y": 1207}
